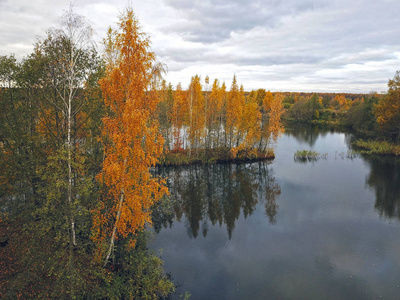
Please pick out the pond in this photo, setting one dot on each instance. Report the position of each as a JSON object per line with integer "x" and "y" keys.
{"x": 286, "y": 229}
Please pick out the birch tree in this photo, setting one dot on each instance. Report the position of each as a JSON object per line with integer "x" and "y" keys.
{"x": 71, "y": 59}
{"x": 131, "y": 138}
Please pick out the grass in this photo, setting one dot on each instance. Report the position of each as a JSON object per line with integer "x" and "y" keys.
{"x": 350, "y": 154}
{"x": 370, "y": 147}
{"x": 308, "y": 155}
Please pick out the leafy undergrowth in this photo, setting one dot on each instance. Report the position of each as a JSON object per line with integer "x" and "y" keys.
{"x": 212, "y": 156}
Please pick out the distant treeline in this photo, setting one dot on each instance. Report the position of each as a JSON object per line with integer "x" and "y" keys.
{"x": 375, "y": 115}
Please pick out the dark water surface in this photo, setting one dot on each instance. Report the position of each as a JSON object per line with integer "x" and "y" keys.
{"x": 327, "y": 229}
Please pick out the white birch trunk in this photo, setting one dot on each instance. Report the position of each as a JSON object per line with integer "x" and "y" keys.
{"x": 114, "y": 233}
{"x": 121, "y": 202}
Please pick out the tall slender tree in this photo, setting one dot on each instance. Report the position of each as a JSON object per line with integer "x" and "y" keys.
{"x": 233, "y": 111}
{"x": 212, "y": 119}
{"x": 195, "y": 100}
{"x": 179, "y": 111}
{"x": 69, "y": 51}
{"x": 130, "y": 135}
{"x": 275, "y": 124}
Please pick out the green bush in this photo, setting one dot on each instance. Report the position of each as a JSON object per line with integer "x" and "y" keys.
{"x": 377, "y": 147}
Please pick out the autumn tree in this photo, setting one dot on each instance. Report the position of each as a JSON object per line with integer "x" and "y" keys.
{"x": 258, "y": 96}
{"x": 240, "y": 125}
{"x": 217, "y": 116}
{"x": 213, "y": 122}
{"x": 271, "y": 127}
{"x": 387, "y": 111}
{"x": 234, "y": 107}
{"x": 275, "y": 124}
{"x": 222, "y": 104}
{"x": 265, "y": 108}
{"x": 250, "y": 122}
{"x": 340, "y": 101}
{"x": 179, "y": 111}
{"x": 131, "y": 137}
{"x": 164, "y": 111}
{"x": 196, "y": 120}
{"x": 207, "y": 135}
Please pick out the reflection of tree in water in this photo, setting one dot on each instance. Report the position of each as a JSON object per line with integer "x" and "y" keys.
{"x": 273, "y": 191}
{"x": 384, "y": 178}
{"x": 349, "y": 140}
{"x": 306, "y": 133}
{"x": 216, "y": 193}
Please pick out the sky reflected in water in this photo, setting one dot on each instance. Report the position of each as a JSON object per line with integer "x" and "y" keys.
{"x": 285, "y": 230}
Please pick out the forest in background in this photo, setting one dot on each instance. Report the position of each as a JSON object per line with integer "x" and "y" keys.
{"x": 375, "y": 118}
{"x": 372, "y": 115}
{"x": 81, "y": 133}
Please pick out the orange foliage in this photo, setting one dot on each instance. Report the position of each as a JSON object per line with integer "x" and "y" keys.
{"x": 267, "y": 102}
{"x": 234, "y": 108}
{"x": 342, "y": 101}
{"x": 387, "y": 111}
{"x": 131, "y": 137}
{"x": 214, "y": 104}
{"x": 249, "y": 126}
{"x": 275, "y": 125}
{"x": 196, "y": 103}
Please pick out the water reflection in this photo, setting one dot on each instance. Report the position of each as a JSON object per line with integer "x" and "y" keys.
{"x": 328, "y": 241}
{"x": 384, "y": 178}
{"x": 306, "y": 133}
{"x": 216, "y": 194}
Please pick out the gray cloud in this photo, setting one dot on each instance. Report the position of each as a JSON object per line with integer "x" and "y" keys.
{"x": 306, "y": 42}
{"x": 335, "y": 45}
{"x": 212, "y": 21}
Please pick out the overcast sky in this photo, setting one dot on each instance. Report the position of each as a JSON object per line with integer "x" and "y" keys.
{"x": 288, "y": 45}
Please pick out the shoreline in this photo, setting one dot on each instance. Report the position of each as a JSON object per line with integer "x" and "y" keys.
{"x": 213, "y": 156}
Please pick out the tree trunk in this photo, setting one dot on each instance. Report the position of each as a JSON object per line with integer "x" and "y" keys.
{"x": 114, "y": 233}
{"x": 69, "y": 149}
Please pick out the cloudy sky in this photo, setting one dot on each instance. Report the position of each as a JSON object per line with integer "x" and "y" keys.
{"x": 279, "y": 45}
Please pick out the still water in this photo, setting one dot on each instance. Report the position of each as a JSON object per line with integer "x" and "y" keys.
{"x": 326, "y": 229}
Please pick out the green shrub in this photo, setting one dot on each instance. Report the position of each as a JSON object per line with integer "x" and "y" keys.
{"x": 377, "y": 147}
